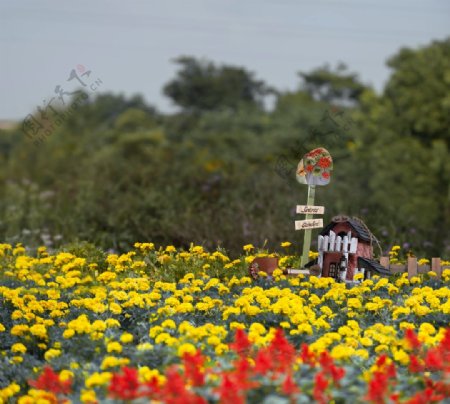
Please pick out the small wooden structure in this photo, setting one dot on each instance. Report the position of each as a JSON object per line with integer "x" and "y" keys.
{"x": 346, "y": 248}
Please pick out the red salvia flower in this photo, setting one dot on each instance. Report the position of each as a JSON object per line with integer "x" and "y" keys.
{"x": 307, "y": 356}
{"x": 289, "y": 387}
{"x": 193, "y": 365}
{"x": 320, "y": 385}
{"x": 50, "y": 382}
{"x": 377, "y": 387}
{"x": 125, "y": 386}
{"x": 434, "y": 360}
{"x": 263, "y": 362}
{"x": 175, "y": 391}
{"x": 282, "y": 352}
{"x": 230, "y": 392}
{"x": 412, "y": 339}
{"x": 241, "y": 343}
{"x": 151, "y": 388}
{"x": 414, "y": 364}
{"x": 381, "y": 360}
{"x": 329, "y": 368}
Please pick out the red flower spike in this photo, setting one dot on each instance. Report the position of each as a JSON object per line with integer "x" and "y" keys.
{"x": 151, "y": 388}
{"x": 175, "y": 392}
{"x": 263, "y": 362}
{"x": 49, "y": 381}
{"x": 414, "y": 364}
{"x": 329, "y": 368}
{"x": 412, "y": 339}
{"x": 241, "y": 343}
{"x": 377, "y": 388}
{"x": 307, "y": 356}
{"x": 434, "y": 360}
{"x": 125, "y": 386}
{"x": 320, "y": 385}
{"x": 381, "y": 360}
{"x": 289, "y": 387}
{"x": 282, "y": 352}
{"x": 193, "y": 368}
{"x": 230, "y": 392}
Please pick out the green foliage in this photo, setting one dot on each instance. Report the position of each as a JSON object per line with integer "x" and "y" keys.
{"x": 201, "y": 86}
{"x": 116, "y": 171}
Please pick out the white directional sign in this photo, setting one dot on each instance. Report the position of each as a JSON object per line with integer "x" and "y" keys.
{"x": 311, "y": 210}
{"x": 308, "y": 224}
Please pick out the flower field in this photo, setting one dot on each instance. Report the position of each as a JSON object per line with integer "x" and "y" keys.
{"x": 172, "y": 326}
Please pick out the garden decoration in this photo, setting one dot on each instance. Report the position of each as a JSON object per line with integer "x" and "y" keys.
{"x": 313, "y": 169}
{"x": 264, "y": 264}
{"x": 345, "y": 249}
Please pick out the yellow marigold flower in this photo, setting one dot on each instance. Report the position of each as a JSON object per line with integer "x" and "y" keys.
{"x": 423, "y": 261}
{"x": 69, "y": 333}
{"x": 234, "y": 325}
{"x": 98, "y": 379}
{"x": 354, "y": 303}
{"x": 170, "y": 249}
{"x": 427, "y": 328}
{"x": 221, "y": 348}
{"x": 17, "y": 359}
{"x": 381, "y": 348}
{"x": 112, "y": 323}
{"x": 115, "y": 308}
{"x": 39, "y": 331}
{"x": 114, "y": 346}
{"x": 52, "y": 353}
{"x": 401, "y": 356}
{"x": 145, "y": 346}
{"x": 342, "y": 352}
{"x": 213, "y": 340}
{"x": 169, "y": 323}
{"x": 2, "y": 327}
{"x": 286, "y": 244}
{"x": 65, "y": 375}
{"x": 365, "y": 341}
{"x": 98, "y": 325}
{"x": 248, "y": 247}
{"x": 88, "y": 396}
{"x": 19, "y": 348}
{"x": 9, "y": 392}
{"x": 126, "y": 338}
{"x": 186, "y": 348}
{"x": 164, "y": 259}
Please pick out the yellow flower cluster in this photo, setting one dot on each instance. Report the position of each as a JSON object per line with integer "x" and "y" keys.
{"x": 126, "y": 308}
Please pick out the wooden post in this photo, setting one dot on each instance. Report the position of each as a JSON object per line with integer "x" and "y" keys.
{"x": 436, "y": 266}
{"x": 384, "y": 261}
{"x": 412, "y": 267}
{"x": 307, "y": 238}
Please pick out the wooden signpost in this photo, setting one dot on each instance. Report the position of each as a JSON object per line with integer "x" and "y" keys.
{"x": 313, "y": 169}
{"x": 308, "y": 224}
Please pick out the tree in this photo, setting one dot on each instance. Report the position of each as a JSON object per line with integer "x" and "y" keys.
{"x": 335, "y": 87}
{"x": 418, "y": 90}
{"x": 201, "y": 85}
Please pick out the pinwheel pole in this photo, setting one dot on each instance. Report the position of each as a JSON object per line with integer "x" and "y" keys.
{"x": 307, "y": 236}
{"x": 313, "y": 169}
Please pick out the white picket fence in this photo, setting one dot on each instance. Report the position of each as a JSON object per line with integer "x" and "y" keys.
{"x": 332, "y": 242}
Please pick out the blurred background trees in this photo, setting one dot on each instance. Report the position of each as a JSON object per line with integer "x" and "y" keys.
{"x": 221, "y": 169}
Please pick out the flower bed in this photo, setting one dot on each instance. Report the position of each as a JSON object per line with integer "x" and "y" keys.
{"x": 86, "y": 327}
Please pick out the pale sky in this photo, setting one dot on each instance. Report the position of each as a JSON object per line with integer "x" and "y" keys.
{"x": 129, "y": 45}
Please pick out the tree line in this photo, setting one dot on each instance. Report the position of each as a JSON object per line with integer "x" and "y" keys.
{"x": 221, "y": 170}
